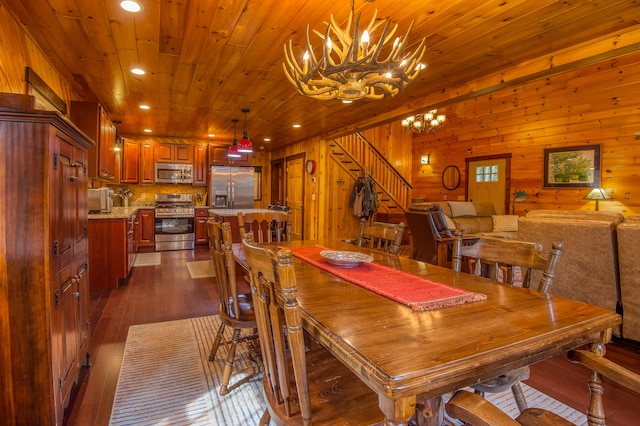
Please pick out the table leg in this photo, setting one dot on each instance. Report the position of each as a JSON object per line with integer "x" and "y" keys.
{"x": 397, "y": 412}
{"x": 429, "y": 412}
{"x": 595, "y": 412}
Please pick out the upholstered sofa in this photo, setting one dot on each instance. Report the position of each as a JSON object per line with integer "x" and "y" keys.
{"x": 588, "y": 267}
{"x": 473, "y": 217}
{"x": 628, "y": 252}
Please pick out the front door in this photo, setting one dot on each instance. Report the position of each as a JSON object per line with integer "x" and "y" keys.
{"x": 488, "y": 180}
{"x": 295, "y": 194}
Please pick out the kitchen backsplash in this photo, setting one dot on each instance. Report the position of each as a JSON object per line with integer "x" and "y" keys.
{"x": 144, "y": 195}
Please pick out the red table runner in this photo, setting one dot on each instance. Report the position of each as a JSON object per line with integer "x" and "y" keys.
{"x": 419, "y": 293}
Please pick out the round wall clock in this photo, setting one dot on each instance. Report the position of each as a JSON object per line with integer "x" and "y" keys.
{"x": 311, "y": 166}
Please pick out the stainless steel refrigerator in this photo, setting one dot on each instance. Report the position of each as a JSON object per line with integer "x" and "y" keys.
{"x": 231, "y": 187}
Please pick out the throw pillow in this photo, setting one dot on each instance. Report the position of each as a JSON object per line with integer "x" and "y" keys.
{"x": 505, "y": 222}
{"x": 450, "y": 223}
{"x": 462, "y": 208}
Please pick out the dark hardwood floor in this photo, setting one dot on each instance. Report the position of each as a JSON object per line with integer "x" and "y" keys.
{"x": 167, "y": 292}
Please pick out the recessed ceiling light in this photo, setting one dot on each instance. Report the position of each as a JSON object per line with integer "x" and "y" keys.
{"x": 347, "y": 101}
{"x": 211, "y": 135}
{"x": 296, "y": 126}
{"x": 267, "y": 139}
{"x": 145, "y": 107}
{"x": 147, "y": 130}
{"x": 137, "y": 71}
{"x": 131, "y": 6}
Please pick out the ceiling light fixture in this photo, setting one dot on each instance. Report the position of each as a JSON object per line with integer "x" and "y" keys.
{"x": 424, "y": 122}
{"x": 245, "y": 144}
{"x": 232, "y": 152}
{"x": 131, "y": 6}
{"x": 137, "y": 71}
{"x": 350, "y": 66}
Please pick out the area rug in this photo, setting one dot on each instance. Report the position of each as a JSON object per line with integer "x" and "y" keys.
{"x": 166, "y": 379}
{"x": 201, "y": 269}
{"x": 147, "y": 259}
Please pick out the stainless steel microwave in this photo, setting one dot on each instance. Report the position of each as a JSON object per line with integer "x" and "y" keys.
{"x": 174, "y": 173}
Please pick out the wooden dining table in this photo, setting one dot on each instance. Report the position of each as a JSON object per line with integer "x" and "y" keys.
{"x": 407, "y": 356}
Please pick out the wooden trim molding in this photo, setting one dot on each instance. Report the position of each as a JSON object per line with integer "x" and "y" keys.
{"x": 43, "y": 93}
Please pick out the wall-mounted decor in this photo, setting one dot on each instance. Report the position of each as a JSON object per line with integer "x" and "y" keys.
{"x": 451, "y": 177}
{"x": 572, "y": 167}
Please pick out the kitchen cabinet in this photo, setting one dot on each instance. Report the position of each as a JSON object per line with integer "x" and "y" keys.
{"x": 147, "y": 162}
{"x": 144, "y": 229}
{"x": 43, "y": 311}
{"x": 201, "y": 234}
{"x": 218, "y": 157}
{"x": 111, "y": 247}
{"x": 130, "y": 161}
{"x": 200, "y": 167}
{"x": 174, "y": 153}
{"x": 92, "y": 119}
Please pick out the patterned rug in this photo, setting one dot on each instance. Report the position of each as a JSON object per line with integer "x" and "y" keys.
{"x": 166, "y": 379}
{"x": 201, "y": 269}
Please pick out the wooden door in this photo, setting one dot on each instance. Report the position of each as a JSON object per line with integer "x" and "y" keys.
{"x": 131, "y": 160}
{"x": 147, "y": 163}
{"x": 277, "y": 182}
{"x": 164, "y": 152}
{"x": 183, "y": 154}
{"x": 295, "y": 195}
{"x": 200, "y": 168}
{"x": 488, "y": 180}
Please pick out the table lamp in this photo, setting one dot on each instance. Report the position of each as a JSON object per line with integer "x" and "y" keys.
{"x": 597, "y": 194}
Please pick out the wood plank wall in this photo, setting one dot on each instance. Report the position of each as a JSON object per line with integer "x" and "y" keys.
{"x": 594, "y": 105}
{"x": 18, "y": 51}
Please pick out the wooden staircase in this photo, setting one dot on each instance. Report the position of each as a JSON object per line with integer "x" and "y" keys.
{"x": 355, "y": 154}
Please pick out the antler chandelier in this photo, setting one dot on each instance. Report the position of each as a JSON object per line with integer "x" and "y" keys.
{"x": 350, "y": 66}
{"x": 424, "y": 122}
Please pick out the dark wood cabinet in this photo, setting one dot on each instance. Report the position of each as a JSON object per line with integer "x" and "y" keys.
{"x": 147, "y": 162}
{"x": 173, "y": 153}
{"x": 200, "y": 169}
{"x": 144, "y": 229}
{"x": 93, "y": 120}
{"x": 111, "y": 250}
{"x": 130, "y": 161}
{"x": 202, "y": 215}
{"x": 218, "y": 157}
{"x": 43, "y": 312}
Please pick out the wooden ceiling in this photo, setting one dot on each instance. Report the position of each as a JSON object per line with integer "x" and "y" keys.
{"x": 206, "y": 60}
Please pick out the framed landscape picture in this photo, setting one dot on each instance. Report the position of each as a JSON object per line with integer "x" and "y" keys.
{"x": 573, "y": 167}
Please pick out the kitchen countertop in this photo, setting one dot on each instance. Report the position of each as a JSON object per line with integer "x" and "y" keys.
{"x": 117, "y": 212}
{"x": 234, "y": 212}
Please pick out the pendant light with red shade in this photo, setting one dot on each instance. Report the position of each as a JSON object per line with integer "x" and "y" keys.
{"x": 245, "y": 144}
{"x": 233, "y": 152}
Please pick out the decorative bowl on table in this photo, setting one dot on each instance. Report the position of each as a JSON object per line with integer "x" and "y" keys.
{"x": 345, "y": 259}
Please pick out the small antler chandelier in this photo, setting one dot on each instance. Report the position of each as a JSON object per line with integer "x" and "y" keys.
{"x": 424, "y": 122}
{"x": 350, "y": 66}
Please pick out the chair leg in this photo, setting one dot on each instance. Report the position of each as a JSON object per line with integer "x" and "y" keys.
{"x": 216, "y": 343}
{"x": 228, "y": 367}
{"x": 518, "y": 395}
{"x": 265, "y": 419}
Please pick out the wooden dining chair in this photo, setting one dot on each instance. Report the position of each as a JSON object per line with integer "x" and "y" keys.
{"x": 235, "y": 309}
{"x": 266, "y": 226}
{"x": 495, "y": 257}
{"x": 380, "y": 235}
{"x": 474, "y": 410}
{"x": 303, "y": 384}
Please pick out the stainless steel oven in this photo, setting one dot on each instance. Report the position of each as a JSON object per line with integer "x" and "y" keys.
{"x": 174, "y": 222}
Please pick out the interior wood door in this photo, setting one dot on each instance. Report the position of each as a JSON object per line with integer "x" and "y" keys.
{"x": 295, "y": 195}
{"x": 277, "y": 182}
{"x": 488, "y": 180}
